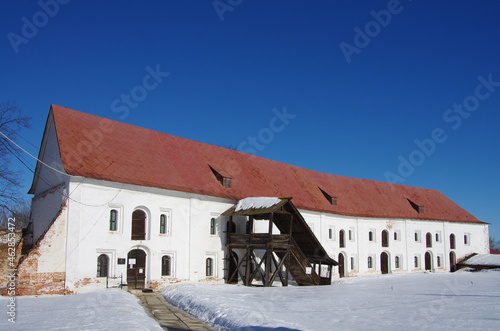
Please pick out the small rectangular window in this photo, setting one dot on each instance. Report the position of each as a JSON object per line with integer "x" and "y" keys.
{"x": 466, "y": 239}
{"x": 209, "y": 267}
{"x": 350, "y": 235}
{"x": 396, "y": 262}
{"x": 113, "y": 219}
{"x": 370, "y": 236}
{"x": 166, "y": 265}
{"x": 330, "y": 234}
{"x": 416, "y": 261}
{"x": 370, "y": 262}
{"x": 163, "y": 223}
{"x": 352, "y": 263}
{"x": 212, "y": 226}
{"x": 439, "y": 261}
{"x": 417, "y": 236}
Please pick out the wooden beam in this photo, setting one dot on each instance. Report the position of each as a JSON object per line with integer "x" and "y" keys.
{"x": 267, "y": 266}
{"x": 257, "y": 269}
{"x": 248, "y": 265}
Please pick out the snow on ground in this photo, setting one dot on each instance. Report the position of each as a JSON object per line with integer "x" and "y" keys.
{"x": 484, "y": 259}
{"x": 256, "y": 203}
{"x": 461, "y": 300}
{"x": 110, "y": 309}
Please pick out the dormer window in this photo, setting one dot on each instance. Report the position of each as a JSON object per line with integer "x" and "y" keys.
{"x": 223, "y": 177}
{"x": 417, "y": 207}
{"x": 330, "y": 198}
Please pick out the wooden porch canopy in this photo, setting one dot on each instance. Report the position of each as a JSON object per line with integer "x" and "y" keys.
{"x": 297, "y": 248}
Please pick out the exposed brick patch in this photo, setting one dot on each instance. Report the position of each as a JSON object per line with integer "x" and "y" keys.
{"x": 31, "y": 280}
{"x": 5, "y": 254}
{"x": 155, "y": 284}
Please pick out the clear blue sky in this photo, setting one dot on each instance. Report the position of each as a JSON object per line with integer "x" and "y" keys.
{"x": 362, "y": 81}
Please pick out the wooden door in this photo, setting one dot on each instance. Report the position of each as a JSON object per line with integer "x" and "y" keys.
{"x": 341, "y": 265}
{"x": 384, "y": 263}
{"x": 428, "y": 261}
{"x": 138, "y": 225}
{"x": 136, "y": 269}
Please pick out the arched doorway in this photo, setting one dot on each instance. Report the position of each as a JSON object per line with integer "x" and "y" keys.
{"x": 139, "y": 225}
{"x": 453, "y": 261}
{"x": 341, "y": 265}
{"x": 233, "y": 263}
{"x": 428, "y": 261}
{"x": 136, "y": 269}
{"x": 384, "y": 263}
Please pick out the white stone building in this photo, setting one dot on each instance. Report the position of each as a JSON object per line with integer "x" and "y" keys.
{"x": 131, "y": 202}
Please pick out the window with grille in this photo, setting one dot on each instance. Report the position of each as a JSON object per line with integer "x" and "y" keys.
{"x": 209, "y": 267}
{"x": 102, "y": 265}
{"x": 166, "y": 265}
{"x": 113, "y": 215}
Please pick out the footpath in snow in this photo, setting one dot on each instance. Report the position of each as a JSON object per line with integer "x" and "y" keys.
{"x": 110, "y": 309}
{"x": 463, "y": 300}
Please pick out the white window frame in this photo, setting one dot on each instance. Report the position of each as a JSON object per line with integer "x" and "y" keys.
{"x": 332, "y": 230}
{"x": 439, "y": 261}
{"x": 111, "y": 253}
{"x": 119, "y": 218}
{"x": 168, "y": 228}
{"x": 467, "y": 239}
{"x": 438, "y": 237}
{"x": 173, "y": 261}
{"x": 418, "y": 235}
{"x": 374, "y": 235}
{"x": 213, "y": 256}
{"x": 217, "y": 224}
{"x": 400, "y": 257}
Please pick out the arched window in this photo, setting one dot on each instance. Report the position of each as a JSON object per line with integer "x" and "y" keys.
{"x": 166, "y": 265}
{"x": 342, "y": 238}
{"x": 102, "y": 265}
{"x": 452, "y": 241}
{"x": 370, "y": 262}
{"x": 139, "y": 225}
{"x": 212, "y": 226}
{"x": 209, "y": 267}
{"x": 385, "y": 238}
{"x": 428, "y": 240}
{"x": 163, "y": 223}
{"x": 113, "y": 215}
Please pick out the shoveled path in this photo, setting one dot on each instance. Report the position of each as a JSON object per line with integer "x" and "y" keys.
{"x": 169, "y": 316}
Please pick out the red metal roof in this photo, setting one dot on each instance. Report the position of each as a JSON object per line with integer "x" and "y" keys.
{"x": 95, "y": 147}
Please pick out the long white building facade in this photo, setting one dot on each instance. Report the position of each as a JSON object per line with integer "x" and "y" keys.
{"x": 114, "y": 202}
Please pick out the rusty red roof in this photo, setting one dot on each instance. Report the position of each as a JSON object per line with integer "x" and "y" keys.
{"x": 95, "y": 147}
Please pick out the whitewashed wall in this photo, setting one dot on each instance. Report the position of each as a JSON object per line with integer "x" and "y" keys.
{"x": 188, "y": 240}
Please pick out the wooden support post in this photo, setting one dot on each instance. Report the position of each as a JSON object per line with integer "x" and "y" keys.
{"x": 269, "y": 251}
{"x": 287, "y": 275}
{"x": 248, "y": 258}
{"x": 228, "y": 264}
{"x": 229, "y": 229}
